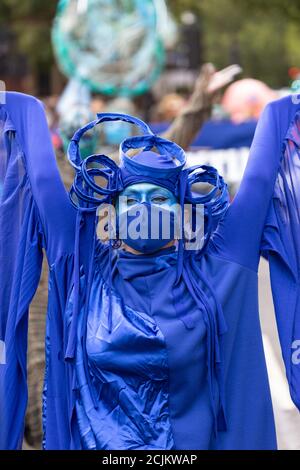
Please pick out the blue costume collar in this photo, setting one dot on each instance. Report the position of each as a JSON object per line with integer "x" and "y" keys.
{"x": 130, "y": 265}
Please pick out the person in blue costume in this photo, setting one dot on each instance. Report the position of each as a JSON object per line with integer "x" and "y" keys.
{"x": 148, "y": 345}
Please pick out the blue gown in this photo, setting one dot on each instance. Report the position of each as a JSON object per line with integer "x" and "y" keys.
{"x": 148, "y": 385}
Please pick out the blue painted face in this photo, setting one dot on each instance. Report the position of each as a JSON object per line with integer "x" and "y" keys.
{"x": 146, "y": 217}
{"x": 145, "y": 193}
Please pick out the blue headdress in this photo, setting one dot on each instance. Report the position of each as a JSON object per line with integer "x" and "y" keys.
{"x": 163, "y": 167}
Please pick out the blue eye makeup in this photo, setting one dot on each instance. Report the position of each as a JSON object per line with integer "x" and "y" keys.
{"x": 145, "y": 192}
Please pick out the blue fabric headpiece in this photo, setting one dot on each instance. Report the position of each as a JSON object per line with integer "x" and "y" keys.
{"x": 163, "y": 167}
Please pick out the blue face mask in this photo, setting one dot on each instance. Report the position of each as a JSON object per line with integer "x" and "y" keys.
{"x": 147, "y": 228}
{"x": 146, "y": 219}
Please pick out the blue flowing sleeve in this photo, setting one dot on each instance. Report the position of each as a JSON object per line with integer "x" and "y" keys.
{"x": 20, "y": 265}
{"x": 239, "y": 234}
{"x": 281, "y": 245}
{"x": 35, "y": 216}
{"x": 264, "y": 218}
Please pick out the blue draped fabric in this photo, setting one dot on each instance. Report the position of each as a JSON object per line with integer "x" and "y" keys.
{"x": 115, "y": 400}
{"x": 31, "y": 219}
{"x": 20, "y": 252}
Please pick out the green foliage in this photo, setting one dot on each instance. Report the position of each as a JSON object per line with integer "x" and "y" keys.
{"x": 27, "y": 9}
{"x": 31, "y": 21}
{"x": 285, "y": 8}
{"x": 262, "y": 35}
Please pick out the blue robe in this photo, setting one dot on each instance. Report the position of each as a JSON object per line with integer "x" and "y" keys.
{"x": 146, "y": 385}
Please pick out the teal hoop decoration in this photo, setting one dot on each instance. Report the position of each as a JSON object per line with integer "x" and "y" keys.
{"x": 115, "y": 48}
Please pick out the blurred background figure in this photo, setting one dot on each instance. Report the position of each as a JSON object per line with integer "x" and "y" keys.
{"x": 169, "y": 107}
{"x": 245, "y": 99}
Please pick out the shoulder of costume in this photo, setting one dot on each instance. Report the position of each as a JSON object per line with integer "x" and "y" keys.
{"x": 56, "y": 214}
{"x": 21, "y": 111}
{"x": 285, "y": 108}
{"x": 12, "y": 96}
{"x": 282, "y": 113}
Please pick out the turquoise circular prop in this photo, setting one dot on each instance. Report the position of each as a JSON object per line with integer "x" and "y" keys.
{"x": 113, "y": 46}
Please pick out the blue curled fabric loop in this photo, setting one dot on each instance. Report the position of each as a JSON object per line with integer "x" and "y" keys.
{"x": 85, "y": 195}
{"x": 84, "y": 186}
{"x": 74, "y": 151}
{"x": 109, "y": 170}
{"x": 217, "y": 197}
{"x": 217, "y": 200}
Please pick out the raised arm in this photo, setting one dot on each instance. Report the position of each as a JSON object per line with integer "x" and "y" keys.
{"x": 56, "y": 213}
{"x": 281, "y": 245}
{"x": 21, "y": 244}
{"x": 239, "y": 234}
{"x": 35, "y": 214}
{"x": 265, "y": 218}
{"x": 186, "y": 126}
